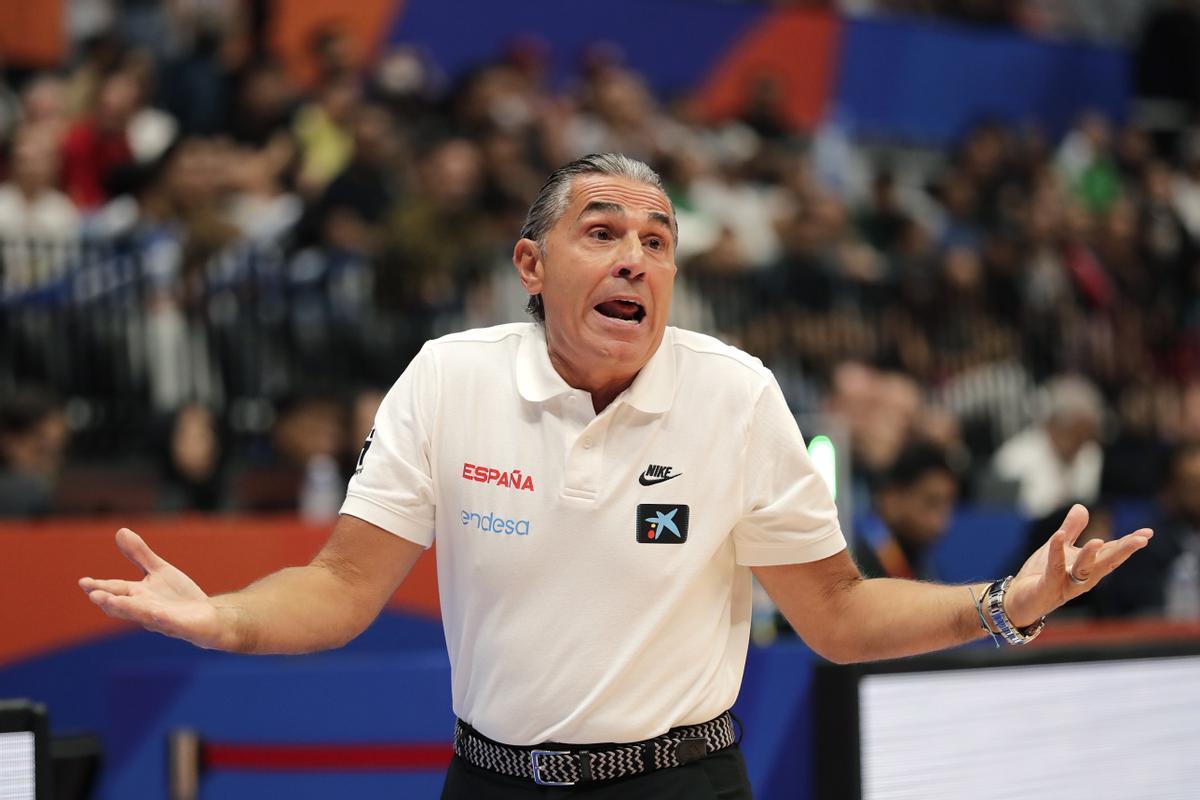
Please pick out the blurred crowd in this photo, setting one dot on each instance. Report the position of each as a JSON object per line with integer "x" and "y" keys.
{"x": 1025, "y": 305}
{"x": 1095, "y": 20}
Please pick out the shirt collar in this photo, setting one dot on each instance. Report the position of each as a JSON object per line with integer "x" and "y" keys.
{"x": 652, "y": 391}
{"x": 537, "y": 380}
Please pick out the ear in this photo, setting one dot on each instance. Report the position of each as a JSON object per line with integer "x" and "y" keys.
{"x": 527, "y": 258}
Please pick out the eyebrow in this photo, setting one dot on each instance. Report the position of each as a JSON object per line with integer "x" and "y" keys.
{"x": 606, "y": 206}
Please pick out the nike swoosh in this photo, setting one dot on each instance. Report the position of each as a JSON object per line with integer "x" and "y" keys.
{"x": 644, "y": 481}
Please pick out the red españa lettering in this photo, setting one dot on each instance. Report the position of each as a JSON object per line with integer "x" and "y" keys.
{"x": 511, "y": 479}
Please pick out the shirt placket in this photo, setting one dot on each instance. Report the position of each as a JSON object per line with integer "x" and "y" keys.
{"x": 585, "y": 447}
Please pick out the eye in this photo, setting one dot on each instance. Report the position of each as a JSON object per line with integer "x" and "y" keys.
{"x": 655, "y": 243}
{"x": 601, "y": 234}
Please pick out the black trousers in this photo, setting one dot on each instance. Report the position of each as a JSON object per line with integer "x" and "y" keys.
{"x": 720, "y": 776}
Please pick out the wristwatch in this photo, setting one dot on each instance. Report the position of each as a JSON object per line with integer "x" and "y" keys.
{"x": 994, "y": 604}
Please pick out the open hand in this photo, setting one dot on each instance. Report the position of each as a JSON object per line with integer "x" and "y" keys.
{"x": 1044, "y": 582}
{"x": 165, "y": 600}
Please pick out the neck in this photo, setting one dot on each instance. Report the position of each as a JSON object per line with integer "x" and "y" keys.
{"x": 1063, "y": 447}
{"x": 30, "y": 191}
{"x": 603, "y": 386}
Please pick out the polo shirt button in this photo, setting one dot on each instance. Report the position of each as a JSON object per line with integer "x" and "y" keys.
{"x": 587, "y": 444}
{"x": 571, "y": 397}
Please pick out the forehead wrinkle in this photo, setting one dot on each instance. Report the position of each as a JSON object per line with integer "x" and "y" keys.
{"x": 638, "y": 193}
{"x": 610, "y": 207}
{"x": 658, "y": 206}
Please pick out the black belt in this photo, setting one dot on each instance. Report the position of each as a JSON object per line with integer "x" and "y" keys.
{"x": 567, "y": 765}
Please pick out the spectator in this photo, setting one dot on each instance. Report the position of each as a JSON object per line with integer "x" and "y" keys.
{"x": 751, "y": 212}
{"x": 880, "y": 410}
{"x": 44, "y": 103}
{"x": 438, "y": 235}
{"x": 913, "y": 504}
{"x": 308, "y": 438}
{"x": 100, "y": 55}
{"x": 1085, "y": 159}
{"x": 1168, "y": 252}
{"x": 323, "y": 131}
{"x": 1059, "y": 459}
{"x": 194, "y": 471}
{"x": 349, "y": 215}
{"x": 195, "y": 85}
{"x": 30, "y": 205}
{"x": 259, "y": 206}
{"x": 619, "y": 115}
{"x": 151, "y": 129}
{"x": 884, "y": 221}
{"x": 1136, "y": 457}
{"x": 264, "y": 104}
{"x": 98, "y": 145}
{"x": 1168, "y": 579}
{"x": 33, "y": 442}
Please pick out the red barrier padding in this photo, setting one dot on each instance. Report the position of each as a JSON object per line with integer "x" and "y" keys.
{"x": 326, "y": 757}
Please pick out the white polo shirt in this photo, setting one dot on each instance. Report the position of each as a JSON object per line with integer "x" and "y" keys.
{"x": 593, "y": 568}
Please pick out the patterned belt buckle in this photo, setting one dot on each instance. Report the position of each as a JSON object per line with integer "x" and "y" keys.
{"x": 534, "y": 755}
{"x": 691, "y": 749}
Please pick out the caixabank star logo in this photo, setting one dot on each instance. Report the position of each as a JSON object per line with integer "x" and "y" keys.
{"x": 662, "y": 523}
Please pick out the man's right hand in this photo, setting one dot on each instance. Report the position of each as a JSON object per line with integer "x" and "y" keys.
{"x": 165, "y": 600}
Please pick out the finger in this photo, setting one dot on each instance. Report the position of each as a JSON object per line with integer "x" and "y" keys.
{"x": 137, "y": 551}
{"x": 117, "y": 587}
{"x": 1056, "y": 559}
{"x": 1084, "y": 564}
{"x": 1116, "y": 553}
{"x": 116, "y": 606}
{"x": 1074, "y": 523}
{"x": 125, "y": 608}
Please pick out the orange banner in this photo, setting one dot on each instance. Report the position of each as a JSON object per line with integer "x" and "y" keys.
{"x": 42, "y": 606}
{"x": 32, "y": 33}
{"x": 296, "y": 22}
{"x": 796, "y": 50}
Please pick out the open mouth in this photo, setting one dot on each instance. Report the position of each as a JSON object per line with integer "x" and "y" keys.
{"x": 623, "y": 310}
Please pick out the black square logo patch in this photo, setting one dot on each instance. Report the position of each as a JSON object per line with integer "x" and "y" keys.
{"x": 662, "y": 524}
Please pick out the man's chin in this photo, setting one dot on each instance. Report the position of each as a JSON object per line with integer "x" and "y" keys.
{"x": 631, "y": 345}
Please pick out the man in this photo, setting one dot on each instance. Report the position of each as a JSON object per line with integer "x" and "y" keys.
{"x": 913, "y": 504}
{"x": 33, "y": 440}
{"x": 30, "y": 205}
{"x": 601, "y": 487}
{"x": 1059, "y": 459}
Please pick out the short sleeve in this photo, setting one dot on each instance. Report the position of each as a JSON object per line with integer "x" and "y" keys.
{"x": 788, "y": 516}
{"x": 392, "y": 486}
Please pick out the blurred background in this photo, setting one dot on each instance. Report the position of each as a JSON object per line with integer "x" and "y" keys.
{"x": 964, "y": 234}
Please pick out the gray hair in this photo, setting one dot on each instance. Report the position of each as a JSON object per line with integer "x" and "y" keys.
{"x": 555, "y": 195}
{"x": 1071, "y": 397}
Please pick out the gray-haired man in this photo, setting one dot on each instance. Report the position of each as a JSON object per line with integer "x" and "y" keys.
{"x": 601, "y": 488}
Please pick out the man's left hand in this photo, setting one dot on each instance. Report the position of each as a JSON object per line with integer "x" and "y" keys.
{"x": 1045, "y": 581}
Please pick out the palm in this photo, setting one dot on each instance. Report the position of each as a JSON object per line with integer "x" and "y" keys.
{"x": 1044, "y": 582}
{"x": 165, "y": 600}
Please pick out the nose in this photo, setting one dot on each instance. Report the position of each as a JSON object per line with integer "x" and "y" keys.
{"x": 631, "y": 260}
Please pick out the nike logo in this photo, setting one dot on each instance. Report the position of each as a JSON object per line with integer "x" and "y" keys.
{"x": 644, "y": 481}
{"x": 656, "y": 474}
